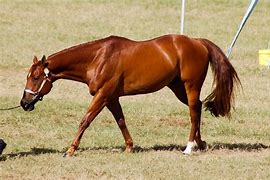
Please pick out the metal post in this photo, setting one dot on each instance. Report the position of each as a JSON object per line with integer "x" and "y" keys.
{"x": 182, "y": 16}
{"x": 244, "y": 20}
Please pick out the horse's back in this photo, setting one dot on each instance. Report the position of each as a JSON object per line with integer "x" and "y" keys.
{"x": 147, "y": 66}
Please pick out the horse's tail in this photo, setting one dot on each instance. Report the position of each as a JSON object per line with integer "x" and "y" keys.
{"x": 221, "y": 100}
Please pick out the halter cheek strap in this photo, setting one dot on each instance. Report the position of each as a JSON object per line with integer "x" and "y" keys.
{"x": 46, "y": 78}
{"x": 30, "y": 91}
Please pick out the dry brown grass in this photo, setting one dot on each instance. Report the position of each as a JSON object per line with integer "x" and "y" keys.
{"x": 159, "y": 124}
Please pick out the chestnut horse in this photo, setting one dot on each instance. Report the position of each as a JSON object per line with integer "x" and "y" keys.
{"x": 116, "y": 66}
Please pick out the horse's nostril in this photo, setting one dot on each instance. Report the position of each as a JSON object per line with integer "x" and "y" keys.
{"x": 24, "y": 104}
{"x": 27, "y": 106}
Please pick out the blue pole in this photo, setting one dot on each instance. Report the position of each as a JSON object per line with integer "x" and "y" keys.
{"x": 251, "y": 7}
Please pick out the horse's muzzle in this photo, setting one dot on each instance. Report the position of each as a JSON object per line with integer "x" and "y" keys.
{"x": 27, "y": 106}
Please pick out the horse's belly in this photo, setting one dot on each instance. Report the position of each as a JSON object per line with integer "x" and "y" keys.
{"x": 149, "y": 68}
{"x": 148, "y": 80}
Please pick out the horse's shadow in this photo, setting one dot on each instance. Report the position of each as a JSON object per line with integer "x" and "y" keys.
{"x": 33, "y": 152}
{"x": 137, "y": 149}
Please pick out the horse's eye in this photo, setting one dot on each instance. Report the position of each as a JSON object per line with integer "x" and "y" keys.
{"x": 35, "y": 78}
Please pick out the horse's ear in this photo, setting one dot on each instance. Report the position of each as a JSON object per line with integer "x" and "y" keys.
{"x": 43, "y": 60}
{"x": 35, "y": 59}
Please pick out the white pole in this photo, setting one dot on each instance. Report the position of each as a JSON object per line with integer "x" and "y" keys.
{"x": 182, "y": 16}
{"x": 244, "y": 20}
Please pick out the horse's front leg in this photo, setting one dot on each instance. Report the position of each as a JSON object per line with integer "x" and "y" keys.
{"x": 115, "y": 108}
{"x": 95, "y": 107}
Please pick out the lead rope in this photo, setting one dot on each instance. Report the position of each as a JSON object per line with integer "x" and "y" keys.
{"x": 10, "y": 108}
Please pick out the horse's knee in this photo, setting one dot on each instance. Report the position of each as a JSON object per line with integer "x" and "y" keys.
{"x": 121, "y": 123}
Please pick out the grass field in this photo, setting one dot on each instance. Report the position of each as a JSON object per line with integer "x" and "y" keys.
{"x": 238, "y": 148}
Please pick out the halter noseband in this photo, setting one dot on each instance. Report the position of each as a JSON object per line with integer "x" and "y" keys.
{"x": 36, "y": 93}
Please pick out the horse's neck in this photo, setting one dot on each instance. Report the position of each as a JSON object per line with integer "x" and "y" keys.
{"x": 71, "y": 64}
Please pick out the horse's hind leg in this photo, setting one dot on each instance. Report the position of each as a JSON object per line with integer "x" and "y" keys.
{"x": 195, "y": 106}
{"x": 115, "y": 108}
{"x": 180, "y": 92}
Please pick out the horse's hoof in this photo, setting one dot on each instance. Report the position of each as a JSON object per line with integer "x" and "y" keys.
{"x": 65, "y": 155}
{"x": 189, "y": 148}
{"x": 186, "y": 152}
{"x": 129, "y": 150}
{"x": 68, "y": 153}
{"x": 203, "y": 146}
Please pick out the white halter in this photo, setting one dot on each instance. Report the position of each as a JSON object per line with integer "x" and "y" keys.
{"x": 46, "y": 78}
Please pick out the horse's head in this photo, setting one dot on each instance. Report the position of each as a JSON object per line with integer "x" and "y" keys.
{"x": 38, "y": 84}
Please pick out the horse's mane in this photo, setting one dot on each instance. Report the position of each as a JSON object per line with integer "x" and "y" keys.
{"x": 98, "y": 41}
{"x": 86, "y": 44}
